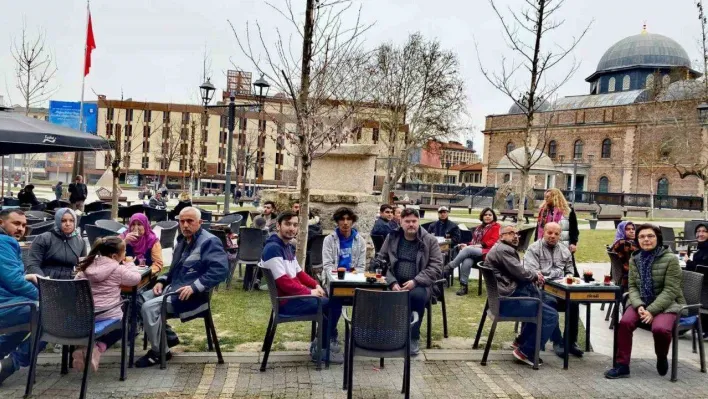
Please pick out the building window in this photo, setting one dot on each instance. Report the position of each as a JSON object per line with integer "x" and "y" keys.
{"x": 358, "y": 133}
{"x": 242, "y": 139}
{"x": 604, "y": 186}
{"x": 184, "y": 134}
{"x": 182, "y": 165}
{"x": 109, "y": 114}
{"x": 164, "y": 165}
{"x": 223, "y": 122}
{"x": 578, "y": 149}
{"x": 665, "y": 80}
{"x": 279, "y": 158}
{"x": 606, "y": 148}
{"x": 165, "y": 133}
{"x": 510, "y": 147}
{"x": 662, "y": 187}
{"x": 242, "y": 123}
{"x": 109, "y": 130}
{"x": 611, "y": 84}
{"x": 262, "y": 125}
{"x": 147, "y": 116}
{"x": 146, "y": 146}
{"x": 626, "y": 82}
{"x": 553, "y": 149}
{"x": 166, "y": 117}
{"x": 128, "y": 115}
{"x": 185, "y": 117}
{"x": 650, "y": 81}
{"x": 183, "y": 149}
{"x": 146, "y": 162}
{"x": 375, "y": 135}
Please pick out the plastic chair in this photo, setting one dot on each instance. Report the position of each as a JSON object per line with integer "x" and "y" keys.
{"x": 111, "y": 225}
{"x": 250, "y": 248}
{"x": 380, "y": 327}
{"x": 41, "y": 215}
{"x": 95, "y": 232}
{"x": 39, "y": 228}
{"x": 221, "y": 235}
{"x": 168, "y": 233}
{"x": 425, "y": 226}
{"x": 67, "y": 317}
{"x": 230, "y": 218}
{"x": 155, "y": 215}
{"x": 378, "y": 243}
{"x": 244, "y": 215}
{"x": 278, "y": 318}
{"x": 491, "y": 310}
{"x": 689, "y": 319}
{"x": 91, "y": 218}
{"x": 125, "y": 212}
{"x": 669, "y": 237}
{"x": 439, "y": 298}
{"x": 235, "y": 227}
{"x": 31, "y": 327}
{"x": 94, "y": 207}
{"x": 616, "y": 271}
{"x": 314, "y": 250}
{"x": 206, "y": 215}
{"x": 9, "y": 201}
{"x": 54, "y": 204}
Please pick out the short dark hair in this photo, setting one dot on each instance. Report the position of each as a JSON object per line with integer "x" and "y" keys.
{"x": 285, "y": 216}
{"x": 271, "y": 203}
{"x": 5, "y": 213}
{"x": 655, "y": 229}
{"x": 383, "y": 207}
{"x": 409, "y": 211}
{"x": 485, "y": 210}
{"x": 704, "y": 225}
{"x": 340, "y": 213}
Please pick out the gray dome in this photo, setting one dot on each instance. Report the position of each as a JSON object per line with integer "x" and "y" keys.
{"x": 516, "y": 108}
{"x": 682, "y": 90}
{"x": 644, "y": 49}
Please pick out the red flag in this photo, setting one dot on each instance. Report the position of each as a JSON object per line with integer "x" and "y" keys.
{"x": 90, "y": 46}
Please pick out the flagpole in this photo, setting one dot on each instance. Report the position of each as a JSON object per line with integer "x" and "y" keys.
{"x": 78, "y": 168}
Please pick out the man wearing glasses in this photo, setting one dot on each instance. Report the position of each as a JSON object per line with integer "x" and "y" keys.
{"x": 513, "y": 280}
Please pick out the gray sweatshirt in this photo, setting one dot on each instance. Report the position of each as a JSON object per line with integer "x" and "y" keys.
{"x": 552, "y": 261}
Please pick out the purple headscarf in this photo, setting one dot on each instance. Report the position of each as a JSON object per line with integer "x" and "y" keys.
{"x": 146, "y": 241}
{"x": 620, "y": 234}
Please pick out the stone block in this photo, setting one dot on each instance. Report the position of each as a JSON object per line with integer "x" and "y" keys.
{"x": 348, "y": 168}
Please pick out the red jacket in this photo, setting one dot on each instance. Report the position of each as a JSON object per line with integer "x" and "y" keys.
{"x": 490, "y": 238}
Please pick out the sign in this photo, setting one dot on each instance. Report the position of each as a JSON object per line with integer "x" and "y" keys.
{"x": 66, "y": 113}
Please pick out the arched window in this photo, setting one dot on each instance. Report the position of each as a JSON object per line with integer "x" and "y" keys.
{"x": 650, "y": 81}
{"x": 611, "y": 84}
{"x": 662, "y": 187}
{"x": 510, "y": 147}
{"x": 578, "y": 149}
{"x": 553, "y": 149}
{"x": 606, "y": 148}
{"x": 626, "y": 81}
{"x": 604, "y": 186}
{"x": 665, "y": 80}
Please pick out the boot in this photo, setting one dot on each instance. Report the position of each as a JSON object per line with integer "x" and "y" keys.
{"x": 463, "y": 290}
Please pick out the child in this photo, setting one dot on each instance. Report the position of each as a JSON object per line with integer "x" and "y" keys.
{"x": 105, "y": 272}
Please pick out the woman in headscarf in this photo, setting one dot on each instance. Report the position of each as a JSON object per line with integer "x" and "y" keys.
{"x": 655, "y": 298}
{"x": 625, "y": 245}
{"x": 700, "y": 257}
{"x": 142, "y": 243}
{"x": 55, "y": 253}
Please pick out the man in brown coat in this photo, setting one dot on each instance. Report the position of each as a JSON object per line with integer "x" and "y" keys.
{"x": 415, "y": 264}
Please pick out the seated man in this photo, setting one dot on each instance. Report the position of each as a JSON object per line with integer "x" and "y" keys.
{"x": 15, "y": 287}
{"x": 445, "y": 227}
{"x": 290, "y": 280}
{"x": 382, "y": 226}
{"x": 157, "y": 201}
{"x": 269, "y": 215}
{"x": 27, "y": 196}
{"x": 415, "y": 264}
{"x": 199, "y": 263}
{"x": 554, "y": 260}
{"x": 345, "y": 247}
{"x": 513, "y": 280}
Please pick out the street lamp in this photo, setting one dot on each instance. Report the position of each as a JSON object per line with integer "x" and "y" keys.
{"x": 261, "y": 87}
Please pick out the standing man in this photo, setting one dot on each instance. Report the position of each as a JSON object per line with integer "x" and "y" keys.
{"x": 78, "y": 193}
{"x": 415, "y": 264}
{"x": 382, "y": 226}
{"x": 344, "y": 247}
{"x": 237, "y": 196}
{"x": 58, "y": 190}
{"x": 198, "y": 265}
{"x": 445, "y": 227}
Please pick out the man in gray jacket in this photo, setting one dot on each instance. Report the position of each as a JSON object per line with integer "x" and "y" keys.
{"x": 344, "y": 247}
{"x": 553, "y": 259}
{"x": 415, "y": 264}
{"x": 513, "y": 280}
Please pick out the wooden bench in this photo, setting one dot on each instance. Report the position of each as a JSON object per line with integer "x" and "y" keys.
{"x": 636, "y": 211}
{"x": 512, "y": 213}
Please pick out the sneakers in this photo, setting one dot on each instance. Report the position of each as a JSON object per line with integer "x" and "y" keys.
{"x": 334, "y": 358}
{"x": 415, "y": 347}
{"x": 515, "y": 345}
{"x": 6, "y": 369}
{"x": 78, "y": 359}
{"x": 574, "y": 350}
{"x": 620, "y": 371}
{"x": 520, "y": 356}
{"x": 150, "y": 359}
{"x": 334, "y": 346}
{"x": 463, "y": 290}
{"x": 662, "y": 365}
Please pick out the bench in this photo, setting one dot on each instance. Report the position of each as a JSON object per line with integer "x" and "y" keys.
{"x": 636, "y": 212}
{"x": 512, "y": 213}
{"x": 617, "y": 218}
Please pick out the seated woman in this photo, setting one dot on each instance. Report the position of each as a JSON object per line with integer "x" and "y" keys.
{"x": 484, "y": 237}
{"x": 655, "y": 298}
{"x": 142, "y": 243}
{"x": 700, "y": 257}
{"x": 55, "y": 253}
{"x": 624, "y": 246}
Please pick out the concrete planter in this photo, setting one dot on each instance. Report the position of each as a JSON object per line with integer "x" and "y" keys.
{"x": 593, "y": 224}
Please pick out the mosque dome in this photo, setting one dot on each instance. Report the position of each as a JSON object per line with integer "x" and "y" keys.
{"x": 646, "y": 50}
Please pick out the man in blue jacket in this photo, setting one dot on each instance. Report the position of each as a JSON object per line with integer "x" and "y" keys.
{"x": 15, "y": 287}
{"x": 199, "y": 263}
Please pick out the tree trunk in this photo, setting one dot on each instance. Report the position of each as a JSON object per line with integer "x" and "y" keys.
{"x": 522, "y": 196}
{"x": 651, "y": 198}
{"x": 304, "y": 210}
{"x": 115, "y": 168}
{"x": 705, "y": 200}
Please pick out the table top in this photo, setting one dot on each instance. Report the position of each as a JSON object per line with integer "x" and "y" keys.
{"x": 583, "y": 286}
{"x": 145, "y": 274}
{"x": 353, "y": 280}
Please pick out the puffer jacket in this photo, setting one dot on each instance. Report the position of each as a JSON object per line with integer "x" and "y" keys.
{"x": 552, "y": 261}
{"x": 54, "y": 255}
{"x": 105, "y": 276}
{"x": 13, "y": 286}
{"x": 667, "y": 281}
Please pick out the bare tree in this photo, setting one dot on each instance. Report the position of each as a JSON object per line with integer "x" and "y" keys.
{"x": 325, "y": 83}
{"x": 169, "y": 151}
{"x": 524, "y": 33}
{"x": 419, "y": 87}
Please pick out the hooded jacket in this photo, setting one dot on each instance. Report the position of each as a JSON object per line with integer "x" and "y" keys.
{"x": 105, "y": 276}
{"x": 13, "y": 286}
{"x": 279, "y": 257}
{"x": 330, "y": 252}
{"x": 429, "y": 258}
{"x": 55, "y": 255}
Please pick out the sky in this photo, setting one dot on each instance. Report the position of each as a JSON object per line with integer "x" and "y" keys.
{"x": 151, "y": 50}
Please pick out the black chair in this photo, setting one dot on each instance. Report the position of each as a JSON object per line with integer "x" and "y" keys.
{"x": 380, "y": 327}
{"x": 9, "y": 201}
{"x": 39, "y": 207}
{"x": 250, "y": 248}
{"x": 111, "y": 225}
{"x": 669, "y": 237}
{"x": 168, "y": 233}
{"x": 221, "y": 235}
{"x": 95, "y": 232}
{"x": 437, "y": 297}
{"x": 378, "y": 243}
{"x": 425, "y": 226}
{"x": 491, "y": 310}
{"x": 525, "y": 238}
{"x": 689, "y": 229}
{"x": 125, "y": 212}
{"x": 230, "y": 218}
{"x": 94, "y": 207}
{"x": 235, "y": 227}
{"x": 91, "y": 218}
{"x": 277, "y": 318}
{"x": 31, "y": 327}
{"x": 466, "y": 236}
{"x": 155, "y": 215}
{"x": 40, "y": 215}
{"x": 244, "y": 215}
{"x": 314, "y": 254}
{"x": 704, "y": 292}
{"x": 39, "y": 228}
{"x": 67, "y": 317}
{"x": 616, "y": 271}
{"x": 212, "y": 339}
{"x": 54, "y": 204}
{"x": 33, "y": 221}
{"x": 206, "y": 215}
{"x": 689, "y": 319}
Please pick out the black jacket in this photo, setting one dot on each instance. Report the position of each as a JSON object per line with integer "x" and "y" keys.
{"x": 78, "y": 192}
{"x": 27, "y": 197}
{"x": 443, "y": 228}
{"x": 700, "y": 257}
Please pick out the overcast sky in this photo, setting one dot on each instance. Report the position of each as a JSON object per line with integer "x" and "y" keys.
{"x": 151, "y": 49}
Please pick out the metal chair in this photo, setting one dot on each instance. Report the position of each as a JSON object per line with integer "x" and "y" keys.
{"x": 692, "y": 288}
{"x": 30, "y": 327}
{"x": 111, "y": 225}
{"x": 378, "y": 243}
{"x": 278, "y": 318}
{"x": 380, "y": 327}
{"x": 91, "y": 218}
{"x": 314, "y": 254}
{"x": 39, "y": 228}
{"x": 491, "y": 310}
{"x": 125, "y": 212}
{"x": 67, "y": 317}
{"x": 250, "y": 248}
{"x": 155, "y": 215}
{"x": 168, "y": 233}
{"x": 439, "y": 298}
{"x": 95, "y": 232}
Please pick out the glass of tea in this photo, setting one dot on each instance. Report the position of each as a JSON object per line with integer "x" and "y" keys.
{"x": 608, "y": 279}
{"x": 569, "y": 279}
{"x": 379, "y": 273}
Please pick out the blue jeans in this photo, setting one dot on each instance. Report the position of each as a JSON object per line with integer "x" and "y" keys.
{"x": 308, "y": 306}
{"x": 418, "y": 298}
{"x": 17, "y": 345}
{"x": 557, "y": 337}
{"x": 527, "y": 339}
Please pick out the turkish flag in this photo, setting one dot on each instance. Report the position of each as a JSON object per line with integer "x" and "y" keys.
{"x": 90, "y": 46}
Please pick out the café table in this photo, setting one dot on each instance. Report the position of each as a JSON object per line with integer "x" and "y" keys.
{"x": 342, "y": 291}
{"x": 587, "y": 293}
{"x": 132, "y": 292}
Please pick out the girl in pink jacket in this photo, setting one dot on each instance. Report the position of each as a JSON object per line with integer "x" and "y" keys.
{"x": 106, "y": 273}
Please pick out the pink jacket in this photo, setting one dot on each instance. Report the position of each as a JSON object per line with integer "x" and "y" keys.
{"x": 106, "y": 277}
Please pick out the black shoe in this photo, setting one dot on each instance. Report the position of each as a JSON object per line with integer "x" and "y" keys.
{"x": 172, "y": 341}
{"x": 576, "y": 351}
{"x": 558, "y": 349}
{"x": 662, "y": 365}
{"x": 150, "y": 359}
{"x": 463, "y": 290}
{"x": 620, "y": 371}
{"x": 7, "y": 368}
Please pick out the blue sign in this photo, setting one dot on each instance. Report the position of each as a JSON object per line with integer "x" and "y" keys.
{"x": 66, "y": 113}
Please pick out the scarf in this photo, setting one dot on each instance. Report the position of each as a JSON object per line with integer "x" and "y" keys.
{"x": 479, "y": 233}
{"x": 620, "y": 234}
{"x": 57, "y": 222}
{"x": 548, "y": 215}
{"x": 146, "y": 241}
{"x": 646, "y": 283}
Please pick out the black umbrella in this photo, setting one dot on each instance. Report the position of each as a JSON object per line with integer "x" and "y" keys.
{"x": 20, "y": 134}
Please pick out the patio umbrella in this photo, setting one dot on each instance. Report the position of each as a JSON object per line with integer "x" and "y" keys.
{"x": 20, "y": 134}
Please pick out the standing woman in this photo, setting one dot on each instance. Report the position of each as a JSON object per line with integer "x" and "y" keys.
{"x": 142, "y": 243}
{"x": 555, "y": 209}
{"x": 624, "y": 246}
{"x": 55, "y": 253}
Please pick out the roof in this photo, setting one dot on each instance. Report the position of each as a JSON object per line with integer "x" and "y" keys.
{"x": 475, "y": 167}
{"x": 517, "y": 108}
{"x": 454, "y": 145}
{"x": 599, "y": 100}
{"x": 541, "y": 162}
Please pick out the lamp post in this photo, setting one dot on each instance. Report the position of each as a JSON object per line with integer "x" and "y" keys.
{"x": 207, "y": 89}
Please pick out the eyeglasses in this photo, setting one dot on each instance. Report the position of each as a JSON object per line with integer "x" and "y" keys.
{"x": 647, "y": 237}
